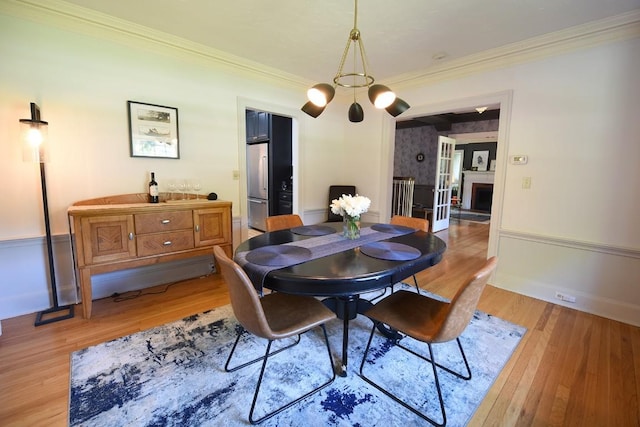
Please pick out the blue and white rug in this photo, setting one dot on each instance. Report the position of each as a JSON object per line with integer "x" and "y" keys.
{"x": 173, "y": 375}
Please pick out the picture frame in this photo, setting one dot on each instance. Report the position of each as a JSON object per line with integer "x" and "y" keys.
{"x": 153, "y": 130}
{"x": 492, "y": 166}
{"x": 480, "y": 160}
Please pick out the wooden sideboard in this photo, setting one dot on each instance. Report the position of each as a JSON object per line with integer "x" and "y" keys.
{"x": 125, "y": 231}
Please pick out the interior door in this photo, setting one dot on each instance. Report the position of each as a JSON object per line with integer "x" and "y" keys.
{"x": 442, "y": 193}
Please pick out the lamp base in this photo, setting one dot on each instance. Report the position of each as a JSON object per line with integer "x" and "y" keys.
{"x": 42, "y": 318}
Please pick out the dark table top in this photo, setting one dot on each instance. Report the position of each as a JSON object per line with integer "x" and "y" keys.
{"x": 348, "y": 272}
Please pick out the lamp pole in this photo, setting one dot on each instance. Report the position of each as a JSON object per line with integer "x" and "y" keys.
{"x": 65, "y": 312}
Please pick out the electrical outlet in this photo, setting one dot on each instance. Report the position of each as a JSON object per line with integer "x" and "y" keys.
{"x": 565, "y": 297}
{"x": 526, "y": 182}
{"x": 236, "y": 175}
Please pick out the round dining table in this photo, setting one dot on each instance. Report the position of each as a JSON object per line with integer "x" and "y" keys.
{"x": 387, "y": 255}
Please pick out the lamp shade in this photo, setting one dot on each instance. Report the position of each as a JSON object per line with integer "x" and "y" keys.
{"x": 321, "y": 94}
{"x": 313, "y": 110}
{"x": 355, "y": 113}
{"x": 398, "y": 107}
{"x": 381, "y": 96}
{"x": 33, "y": 134}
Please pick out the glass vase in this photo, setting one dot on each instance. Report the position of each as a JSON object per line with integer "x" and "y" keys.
{"x": 351, "y": 227}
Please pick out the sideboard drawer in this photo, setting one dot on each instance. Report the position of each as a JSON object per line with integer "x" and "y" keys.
{"x": 155, "y": 244}
{"x": 163, "y": 221}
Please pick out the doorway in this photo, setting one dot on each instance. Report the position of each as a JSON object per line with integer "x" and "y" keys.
{"x": 501, "y": 101}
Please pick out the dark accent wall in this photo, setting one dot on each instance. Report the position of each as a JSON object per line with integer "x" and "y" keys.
{"x": 409, "y": 142}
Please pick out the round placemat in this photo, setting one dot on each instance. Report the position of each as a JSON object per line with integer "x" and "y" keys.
{"x": 393, "y": 229}
{"x": 390, "y": 251}
{"x": 278, "y": 255}
{"x": 313, "y": 230}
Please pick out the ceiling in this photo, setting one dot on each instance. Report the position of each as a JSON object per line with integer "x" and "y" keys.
{"x": 306, "y": 38}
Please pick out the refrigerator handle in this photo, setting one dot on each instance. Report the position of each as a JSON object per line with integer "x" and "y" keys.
{"x": 265, "y": 171}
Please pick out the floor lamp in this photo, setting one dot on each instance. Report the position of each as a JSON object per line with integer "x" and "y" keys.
{"x": 34, "y": 132}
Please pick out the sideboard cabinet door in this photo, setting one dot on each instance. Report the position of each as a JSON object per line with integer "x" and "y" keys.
{"x": 108, "y": 238}
{"x": 212, "y": 226}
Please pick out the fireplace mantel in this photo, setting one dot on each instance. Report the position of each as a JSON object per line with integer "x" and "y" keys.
{"x": 470, "y": 178}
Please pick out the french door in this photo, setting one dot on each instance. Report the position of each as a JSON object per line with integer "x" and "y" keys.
{"x": 442, "y": 193}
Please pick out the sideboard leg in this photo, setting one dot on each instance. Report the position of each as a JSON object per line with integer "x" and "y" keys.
{"x": 85, "y": 292}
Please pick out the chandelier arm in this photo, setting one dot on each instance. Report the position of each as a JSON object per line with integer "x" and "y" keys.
{"x": 363, "y": 57}
{"x": 336, "y": 79}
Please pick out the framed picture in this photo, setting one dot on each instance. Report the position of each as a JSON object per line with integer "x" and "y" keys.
{"x": 153, "y": 130}
{"x": 492, "y": 166}
{"x": 480, "y": 160}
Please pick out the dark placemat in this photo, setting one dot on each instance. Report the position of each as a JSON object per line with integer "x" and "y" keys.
{"x": 393, "y": 229}
{"x": 278, "y": 255}
{"x": 390, "y": 251}
{"x": 313, "y": 230}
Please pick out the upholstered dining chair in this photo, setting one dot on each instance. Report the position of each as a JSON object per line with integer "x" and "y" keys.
{"x": 418, "y": 224}
{"x": 273, "y": 317}
{"x": 430, "y": 321}
{"x": 282, "y": 222}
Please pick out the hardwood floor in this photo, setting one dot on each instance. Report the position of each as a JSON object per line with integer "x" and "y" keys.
{"x": 571, "y": 368}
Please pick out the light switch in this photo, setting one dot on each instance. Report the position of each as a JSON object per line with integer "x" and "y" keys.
{"x": 526, "y": 182}
{"x": 236, "y": 175}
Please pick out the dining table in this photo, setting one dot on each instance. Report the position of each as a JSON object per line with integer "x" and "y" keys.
{"x": 317, "y": 260}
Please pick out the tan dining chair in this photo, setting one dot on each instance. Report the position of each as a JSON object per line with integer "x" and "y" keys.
{"x": 430, "y": 321}
{"x": 273, "y": 317}
{"x": 417, "y": 223}
{"x": 282, "y": 222}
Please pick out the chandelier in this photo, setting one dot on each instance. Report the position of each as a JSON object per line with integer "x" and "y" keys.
{"x": 380, "y": 96}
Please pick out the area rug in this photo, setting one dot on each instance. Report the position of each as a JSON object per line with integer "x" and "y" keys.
{"x": 471, "y": 217}
{"x": 173, "y": 375}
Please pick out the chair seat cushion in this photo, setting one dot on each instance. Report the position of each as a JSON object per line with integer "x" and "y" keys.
{"x": 417, "y": 316}
{"x": 290, "y": 315}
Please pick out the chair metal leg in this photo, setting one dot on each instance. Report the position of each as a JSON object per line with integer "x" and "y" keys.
{"x": 282, "y": 408}
{"x": 242, "y": 331}
{"x": 433, "y": 364}
{"x": 415, "y": 280}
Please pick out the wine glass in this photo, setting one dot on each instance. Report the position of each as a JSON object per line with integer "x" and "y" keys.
{"x": 172, "y": 188}
{"x": 197, "y": 186}
{"x": 188, "y": 186}
{"x": 182, "y": 187}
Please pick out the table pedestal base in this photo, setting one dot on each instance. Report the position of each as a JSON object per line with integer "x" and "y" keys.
{"x": 347, "y": 308}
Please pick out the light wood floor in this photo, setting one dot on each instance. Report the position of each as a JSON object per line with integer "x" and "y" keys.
{"x": 571, "y": 368}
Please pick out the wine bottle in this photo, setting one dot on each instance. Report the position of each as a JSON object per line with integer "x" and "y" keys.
{"x": 153, "y": 190}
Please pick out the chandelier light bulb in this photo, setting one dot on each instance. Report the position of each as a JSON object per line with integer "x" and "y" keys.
{"x": 381, "y": 96}
{"x": 321, "y": 94}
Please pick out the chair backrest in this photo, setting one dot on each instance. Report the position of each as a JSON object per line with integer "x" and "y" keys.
{"x": 464, "y": 303}
{"x": 244, "y": 298}
{"x": 335, "y": 192}
{"x": 281, "y": 222}
{"x": 407, "y": 221}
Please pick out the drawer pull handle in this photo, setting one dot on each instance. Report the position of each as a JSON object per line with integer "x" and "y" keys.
{"x": 166, "y": 221}
{"x": 197, "y": 228}
{"x": 167, "y": 243}
{"x": 130, "y": 236}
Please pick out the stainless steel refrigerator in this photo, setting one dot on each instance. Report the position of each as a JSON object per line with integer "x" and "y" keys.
{"x": 258, "y": 184}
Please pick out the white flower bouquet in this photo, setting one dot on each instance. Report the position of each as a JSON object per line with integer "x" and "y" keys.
{"x": 350, "y": 208}
{"x": 353, "y": 206}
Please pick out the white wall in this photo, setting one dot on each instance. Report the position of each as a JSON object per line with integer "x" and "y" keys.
{"x": 576, "y": 230}
{"x": 82, "y": 83}
{"x": 574, "y": 114}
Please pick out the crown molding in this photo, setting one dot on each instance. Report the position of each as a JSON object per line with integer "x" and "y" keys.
{"x": 95, "y": 24}
{"x": 92, "y": 23}
{"x": 608, "y": 30}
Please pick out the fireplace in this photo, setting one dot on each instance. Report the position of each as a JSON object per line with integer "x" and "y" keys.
{"x": 469, "y": 182}
{"x": 481, "y": 196}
